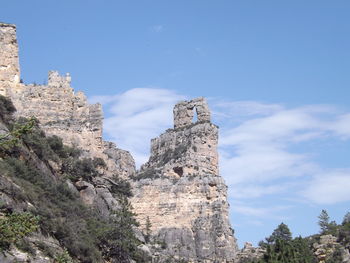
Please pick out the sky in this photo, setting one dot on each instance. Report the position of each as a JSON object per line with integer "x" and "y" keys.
{"x": 275, "y": 74}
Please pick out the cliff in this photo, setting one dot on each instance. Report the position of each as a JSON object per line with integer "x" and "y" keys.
{"x": 180, "y": 192}
{"x": 60, "y": 110}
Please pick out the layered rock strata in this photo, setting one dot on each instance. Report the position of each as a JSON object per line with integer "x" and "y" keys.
{"x": 64, "y": 113}
{"x": 179, "y": 189}
{"x": 60, "y": 110}
{"x": 9, "y": 64}
{"x": 180, "y": 192}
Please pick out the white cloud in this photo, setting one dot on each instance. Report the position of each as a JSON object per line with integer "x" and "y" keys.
{"x": 138, "y": 115}
{"x": 254, "y": 191}
{"x": 255, "y": 145}
{"x": 342, "y": 126}
{"x": 157, "y": 28}
{"x": 256, "y": 149}
{"x": 260, "y": 212}
{"x": 329, "y": 188}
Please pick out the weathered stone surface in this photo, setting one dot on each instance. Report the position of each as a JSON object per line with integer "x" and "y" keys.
{"x": 249, "y": 253}
{"x": 179, "y": 189}
{"x": 9, "y": 63}
{"x": 185, "y": 110}
{"x": 326, "y": 246}
{"x": 60, "y": 110}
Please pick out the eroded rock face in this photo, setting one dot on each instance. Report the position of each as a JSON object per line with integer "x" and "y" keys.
{"x": 60, "y": 110}
{"x": 327, "y": 246}
{"x": 184, "y": 112}
{"x": 9, "y": 63}
{"x": 67, "y": 114}
{"x": 249, "y": 253}
{"x": 179, "y": 189}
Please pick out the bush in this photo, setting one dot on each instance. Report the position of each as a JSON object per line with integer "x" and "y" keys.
{"x": 80, "y": 169}
{"x": 60, "y": 212}
{"x": 121, "y": 188}
{"x": 37, "y": 141}
{"x": 14, "y": 227}
{"x": 120, "y": 238}
{"x": 63, "y": 257}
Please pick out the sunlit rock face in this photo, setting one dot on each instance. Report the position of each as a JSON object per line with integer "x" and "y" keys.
{"x": 63, "y": 112}
{"x": 60, "y": 110}
{"x": 179, "y": 189}
{"x": 9, "y": 63}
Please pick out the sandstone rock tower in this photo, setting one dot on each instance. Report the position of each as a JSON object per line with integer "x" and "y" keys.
{"x": 179, "y": 189}
{"x": 9, "y": 63}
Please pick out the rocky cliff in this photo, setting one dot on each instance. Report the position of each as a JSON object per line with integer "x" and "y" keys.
{"x": 64, "y": 113}
{"x": 60, "y": 110}
{"x": 180, "y": 192}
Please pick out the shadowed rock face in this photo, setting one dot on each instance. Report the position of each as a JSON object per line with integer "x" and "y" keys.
{"x": 179, "y": 189}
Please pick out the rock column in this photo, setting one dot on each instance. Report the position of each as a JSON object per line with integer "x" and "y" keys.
{"x": 179, "y": 189}
{"x": 9, "y": 63}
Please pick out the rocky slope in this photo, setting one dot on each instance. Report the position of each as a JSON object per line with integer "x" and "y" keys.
{"x": 180, "y": 192}
{"x": 60, "y": 110}
{"x": 64, "y": 113}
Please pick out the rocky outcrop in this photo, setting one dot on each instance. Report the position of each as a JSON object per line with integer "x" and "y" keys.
{"x": 249, "y": 253}
{"x": 178, "y": 190}
{"x": 181, "y": 193}
{"x": 9, "y": 63}
{"x": 60, "y": 110}
{"x": 327, "y": 246}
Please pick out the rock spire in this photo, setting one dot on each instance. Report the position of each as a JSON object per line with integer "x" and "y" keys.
{"x": 181, "y": 193}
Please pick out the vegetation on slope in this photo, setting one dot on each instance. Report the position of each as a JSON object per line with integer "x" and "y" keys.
{"x": 54, "y": 209}
{"x": 282, "y": 248}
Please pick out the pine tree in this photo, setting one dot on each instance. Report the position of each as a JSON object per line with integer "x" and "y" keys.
{"x": 282, "y": 232}
{"x": 119, "y": 242}
{"x": 346, "y": 218}
{"x": 323, "y": 221}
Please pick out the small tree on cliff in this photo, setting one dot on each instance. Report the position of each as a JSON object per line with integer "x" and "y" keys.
{"x": 323, "y": 221}
{"x": 119, "y": 241}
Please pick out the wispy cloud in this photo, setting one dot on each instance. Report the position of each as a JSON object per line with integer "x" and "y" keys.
{"x": 138, "y": 115}
{"x": 157, "y": 28}
{"x": 257, "y": 144}
{"x": 329, "y": 188}
{"x": 259, "y": 212}
{"x": 256, "y": 150}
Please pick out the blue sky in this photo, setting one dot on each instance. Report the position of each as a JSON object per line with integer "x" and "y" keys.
{"x": 276, "y": 75}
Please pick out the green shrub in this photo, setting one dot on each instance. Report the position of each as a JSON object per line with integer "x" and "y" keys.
{"x": 121, "y": 188}
{"x": 14, "y": 227}
{"x": 120, "y": 238}
{"x": 99, "y": 162}
{"x": 63, "y": 257}
{"x": 87, "y": 235}
{"x": 80, "y": 169}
